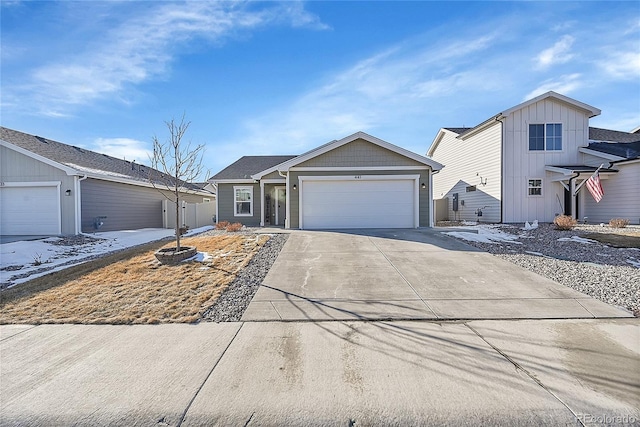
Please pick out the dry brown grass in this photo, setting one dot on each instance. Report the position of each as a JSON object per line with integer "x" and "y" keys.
{"x": 134, "y": 288}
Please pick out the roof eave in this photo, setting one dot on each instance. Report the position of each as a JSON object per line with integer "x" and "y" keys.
{"x": 600, "y": 154}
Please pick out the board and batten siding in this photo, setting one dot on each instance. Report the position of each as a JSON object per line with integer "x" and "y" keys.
{"x": 126, "y": 206}
{"x": 226, "y": 205}
{"x": 294, "y": 195}
{"x": 16, "y": 167}
{"x": 520, "y": 164}
{"x": 466, "y": 162}
{"x": 359, "y": 153}
{"x": 621, "y": 196}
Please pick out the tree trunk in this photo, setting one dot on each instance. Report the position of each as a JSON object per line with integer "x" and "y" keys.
{"x": 177, "y": 222}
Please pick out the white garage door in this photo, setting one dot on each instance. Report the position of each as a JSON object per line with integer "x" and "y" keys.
{"x": 358, "y": 204}
{"x": 29, "y": 211}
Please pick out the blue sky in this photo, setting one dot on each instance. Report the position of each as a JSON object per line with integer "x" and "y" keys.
{"x": 285, "y": 77}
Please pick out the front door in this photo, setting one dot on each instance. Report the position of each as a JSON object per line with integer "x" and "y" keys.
{"x": 281, "y": 205}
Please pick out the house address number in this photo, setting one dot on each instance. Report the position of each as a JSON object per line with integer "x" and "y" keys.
{"x": 357, "y": 177}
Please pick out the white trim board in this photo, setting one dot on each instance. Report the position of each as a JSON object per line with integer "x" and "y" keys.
{"x": 359, "y": 168}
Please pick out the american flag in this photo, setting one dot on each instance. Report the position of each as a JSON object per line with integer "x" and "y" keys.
{"x": 595, "y": 187}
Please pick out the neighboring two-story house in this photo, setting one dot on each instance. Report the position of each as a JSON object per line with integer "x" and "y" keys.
{"x": 531, "y": 162}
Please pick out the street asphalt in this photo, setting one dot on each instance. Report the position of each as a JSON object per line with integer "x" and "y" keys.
{"x": 347, "y": 354}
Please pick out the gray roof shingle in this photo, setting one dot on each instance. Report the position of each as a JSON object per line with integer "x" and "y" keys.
{"x": 80, "y": 159}
{"x": 246, "y": 166}
{"x": 598, "y": 134}
{"x": 458, "y": 130}
{"x": 628, "y": 150}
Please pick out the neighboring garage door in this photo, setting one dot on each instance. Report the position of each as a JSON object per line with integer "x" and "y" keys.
{"x": 358, "y": 204}
{"x": 29, "y": 210}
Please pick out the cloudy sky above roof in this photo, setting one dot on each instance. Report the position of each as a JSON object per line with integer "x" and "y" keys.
{"x": 282, "y": 78}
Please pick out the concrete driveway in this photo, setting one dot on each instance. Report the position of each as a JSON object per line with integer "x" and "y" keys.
{"x": 407, "y": 274}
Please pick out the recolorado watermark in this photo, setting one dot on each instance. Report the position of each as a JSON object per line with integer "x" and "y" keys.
{"x": 607, "y": 419}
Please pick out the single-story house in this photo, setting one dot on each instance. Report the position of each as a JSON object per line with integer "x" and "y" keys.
{"x": 50, "y": 188}
{"x": 531, "y": 162}
{"x": 359, "y": 181}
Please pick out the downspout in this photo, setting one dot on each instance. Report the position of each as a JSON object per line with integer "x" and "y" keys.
{"x": 572, "y": 188}
{"x": 79, "y": 203}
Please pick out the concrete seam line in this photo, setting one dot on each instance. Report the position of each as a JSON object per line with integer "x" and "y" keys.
{"x": 21, "y": 332}
{"x": 588, "y": 311}
{"x": 529, "y": 374}
{"x": 184, "y": 414}
{"x": 277, "y": 312}
{"x": 403, "y": 278}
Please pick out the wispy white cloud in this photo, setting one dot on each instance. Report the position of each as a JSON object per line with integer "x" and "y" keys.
{"x": 622, "y": 65}
{"x": 564, "y": 84}
{"x": 123, "y": 148}
{"x": 559, "y": 53}
{"x": 386, "y": 88}
{"x": 142, "y": 47}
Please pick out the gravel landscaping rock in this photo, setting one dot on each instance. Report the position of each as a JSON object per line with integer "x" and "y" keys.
{"x": 609, "y": 274}
{"x": 234, "y": 300}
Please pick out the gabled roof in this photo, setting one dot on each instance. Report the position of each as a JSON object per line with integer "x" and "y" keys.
{"x": 80, "y": 161}
{"x": 592, "y": 111}
{"x": 607, "y": 135}
{"x": 246, "y": 166}
{"x": 285, "y": 166}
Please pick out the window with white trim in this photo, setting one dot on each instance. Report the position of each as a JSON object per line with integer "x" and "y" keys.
{"x": 243, "y": 198}
{"x": 534, "y": 187}
{"x": 545, "y": 137}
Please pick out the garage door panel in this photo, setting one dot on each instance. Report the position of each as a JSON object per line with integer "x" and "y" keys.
{"x": 358, "y": 204}
{"x": 29, "y": 210}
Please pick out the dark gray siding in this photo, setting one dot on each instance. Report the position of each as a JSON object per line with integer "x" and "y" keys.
{"x": 127, "y": 207}
{"x": 423, "y": 203}
{"x": 226, "y": 202}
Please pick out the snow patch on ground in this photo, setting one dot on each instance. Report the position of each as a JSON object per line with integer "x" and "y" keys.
{"x": 633, "y": 262}
{"x": 485, "y": 234}
{"x": 577, "y": 239}
{"x": 35, "y": 258}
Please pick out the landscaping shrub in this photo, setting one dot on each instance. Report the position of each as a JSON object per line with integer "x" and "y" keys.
{"x": 236, "y": 226}
{"x": 564, "y": 222}
{"x": 222, "y": 225}
{"x": 618, "y": 222}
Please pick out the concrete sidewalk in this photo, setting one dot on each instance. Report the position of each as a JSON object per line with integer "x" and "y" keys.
{"x": 407, "y": 274}
{"x": 551, "y": 372}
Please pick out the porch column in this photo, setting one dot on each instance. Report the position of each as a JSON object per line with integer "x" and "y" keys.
{"x": 573, "y": 198}
{"x": 261, "y": 203}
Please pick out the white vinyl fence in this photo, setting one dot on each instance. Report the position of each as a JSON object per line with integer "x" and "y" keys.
{"x": 193, "y": 215}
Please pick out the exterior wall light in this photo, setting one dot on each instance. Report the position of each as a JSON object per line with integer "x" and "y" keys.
{"x": 424, "y": 186}
{"x": 68, "y": 192}
{"x": 295, "y": 187}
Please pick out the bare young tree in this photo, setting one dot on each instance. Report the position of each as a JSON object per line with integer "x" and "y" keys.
{"x": 178, "y": 166}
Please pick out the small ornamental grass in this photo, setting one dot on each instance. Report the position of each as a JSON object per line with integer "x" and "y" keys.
{"x": 618, "y": 222}
{"x": 226, "y": 225}
{"x": 564, "y": 222}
